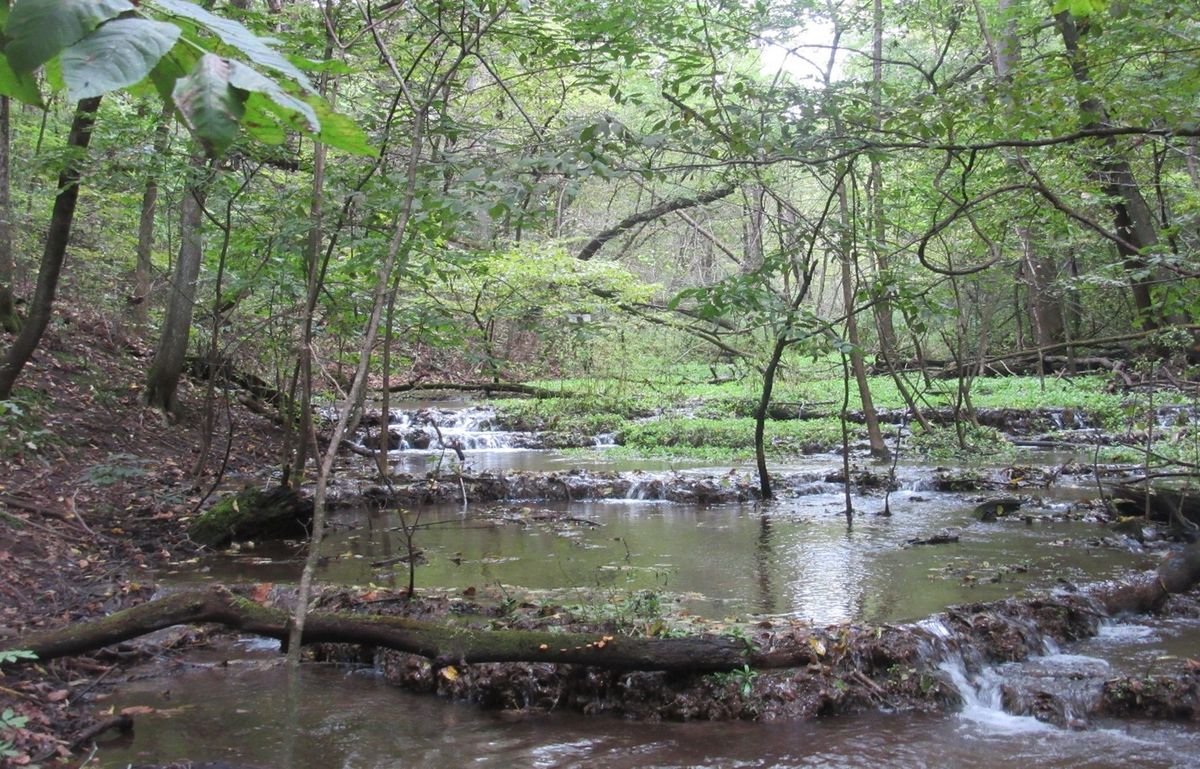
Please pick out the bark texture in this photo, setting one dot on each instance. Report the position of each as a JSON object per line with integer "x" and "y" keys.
{"x": 162, "y": 381}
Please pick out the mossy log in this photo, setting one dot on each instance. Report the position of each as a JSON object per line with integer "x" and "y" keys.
{"x": 253, "y": 513}
{"x": 444, "y": 643}
{"x": 998, "y": 624}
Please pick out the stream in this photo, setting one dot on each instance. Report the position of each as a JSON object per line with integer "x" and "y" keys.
{"x": 792, "y": 559}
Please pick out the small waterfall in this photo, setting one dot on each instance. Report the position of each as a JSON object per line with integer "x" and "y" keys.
{"x": 434, "y": 429}
{"x": 1167, "y": 417}
{"x": 917, "y": 483}
{"x": 1006, "y": 697}
{"x": 1070, "y": 419}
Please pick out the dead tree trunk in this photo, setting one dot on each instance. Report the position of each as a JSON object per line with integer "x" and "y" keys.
{"x": 442, "y": 643}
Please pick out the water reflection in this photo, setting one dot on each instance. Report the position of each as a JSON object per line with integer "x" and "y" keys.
{"x": 794, "y": 557}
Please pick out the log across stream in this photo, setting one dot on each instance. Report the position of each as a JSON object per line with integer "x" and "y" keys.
{"x": 827, "y": 670}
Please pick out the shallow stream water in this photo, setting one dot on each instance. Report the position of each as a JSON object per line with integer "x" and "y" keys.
{"x": 794, "y": 558}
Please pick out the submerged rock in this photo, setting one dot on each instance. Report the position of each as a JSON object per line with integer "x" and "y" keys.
{"x": 991, "y": 509}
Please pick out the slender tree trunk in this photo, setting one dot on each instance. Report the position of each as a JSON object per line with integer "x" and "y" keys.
{"x": 858, "y": 366}
{"x": 54, "y": 254}
{"x": 760, "y": 415}
{"x": 144, "y": 268}
{"x": 162, "y": 380}
{"x": 9, "y": 319}
{"x": 883, "y": 306}
{"x": 316, "y": 267}
{"x": 1039, "y": 272}
{"x": 846, "y": 248}
{"x": 752, "y": 227}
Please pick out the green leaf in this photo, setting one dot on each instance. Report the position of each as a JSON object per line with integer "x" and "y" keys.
{"x": 179, "y": 61}
{"x": 339, "y": 131}
{"x": 21, "y": 87}
{"x": 281, "y": 103}
{"x": 118, "y": 54}
{"x": 38, "y": 29}
{"x": 261, "y": 121}
{"x": 332, "y": 66}
{"x": 236, "y": 36}
{"x": 210, "y": 106}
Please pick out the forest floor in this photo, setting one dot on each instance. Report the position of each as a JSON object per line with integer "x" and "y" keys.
{"x": 93, "y": 488}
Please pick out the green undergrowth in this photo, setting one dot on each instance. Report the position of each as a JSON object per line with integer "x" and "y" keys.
{"x": 965, "y": 441}
{"x": 735, "y": 435}
{"x": 816, "y": 387}
{"x": 676, "y": 412}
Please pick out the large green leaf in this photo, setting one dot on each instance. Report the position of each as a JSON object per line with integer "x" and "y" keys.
{"x": 281, "y": 103}
{"x": 38, "y": 29}
{"x": 340, "y": 132}
{"x": 118, "y": 54}
{"x": 210, "y": 106}
{"x": 179, "y": 61}
{"x": 22, "y": 87}
{"x": 261, "y": 122}
{"x": 236, "y": 36}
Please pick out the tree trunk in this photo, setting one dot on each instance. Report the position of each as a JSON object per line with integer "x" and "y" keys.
{"x": 858, "y": 366}
{"x": 760, "y": 416}
{"x": 162, "y": 380}
{"x": 752, "y": 228}
{"x": 883, "y": 306}
{"x": 54, "y": 254}
{"x": 1037, "y": 271}
{"x": 1045, "y": 308}
{"x": 1133, "y": 222}
{"x": 9, "y": 319}
{"x": 144, "y": 268}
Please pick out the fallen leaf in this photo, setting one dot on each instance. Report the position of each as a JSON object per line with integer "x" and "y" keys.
{"x": 137, "y": 710}
{"x": 262, "y": 593}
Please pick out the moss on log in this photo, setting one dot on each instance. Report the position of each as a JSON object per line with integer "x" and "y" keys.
{"x": 1003, "y": 630}
{"x": 444, "y": 643}
{"x": 252, "y": 513}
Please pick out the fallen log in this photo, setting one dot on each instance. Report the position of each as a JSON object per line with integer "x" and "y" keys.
{"x": 445, "y": 644}
{"x": 449, "y": 644}
{"x": 485, "y": 387}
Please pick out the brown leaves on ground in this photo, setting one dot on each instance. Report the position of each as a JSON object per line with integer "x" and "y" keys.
{"x": 95, "y": 491}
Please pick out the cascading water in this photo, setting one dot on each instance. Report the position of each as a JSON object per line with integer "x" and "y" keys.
{"x": 1016, "y": 696}
{"x": 979, "y": 686}
{"x": 437, "y": 429}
